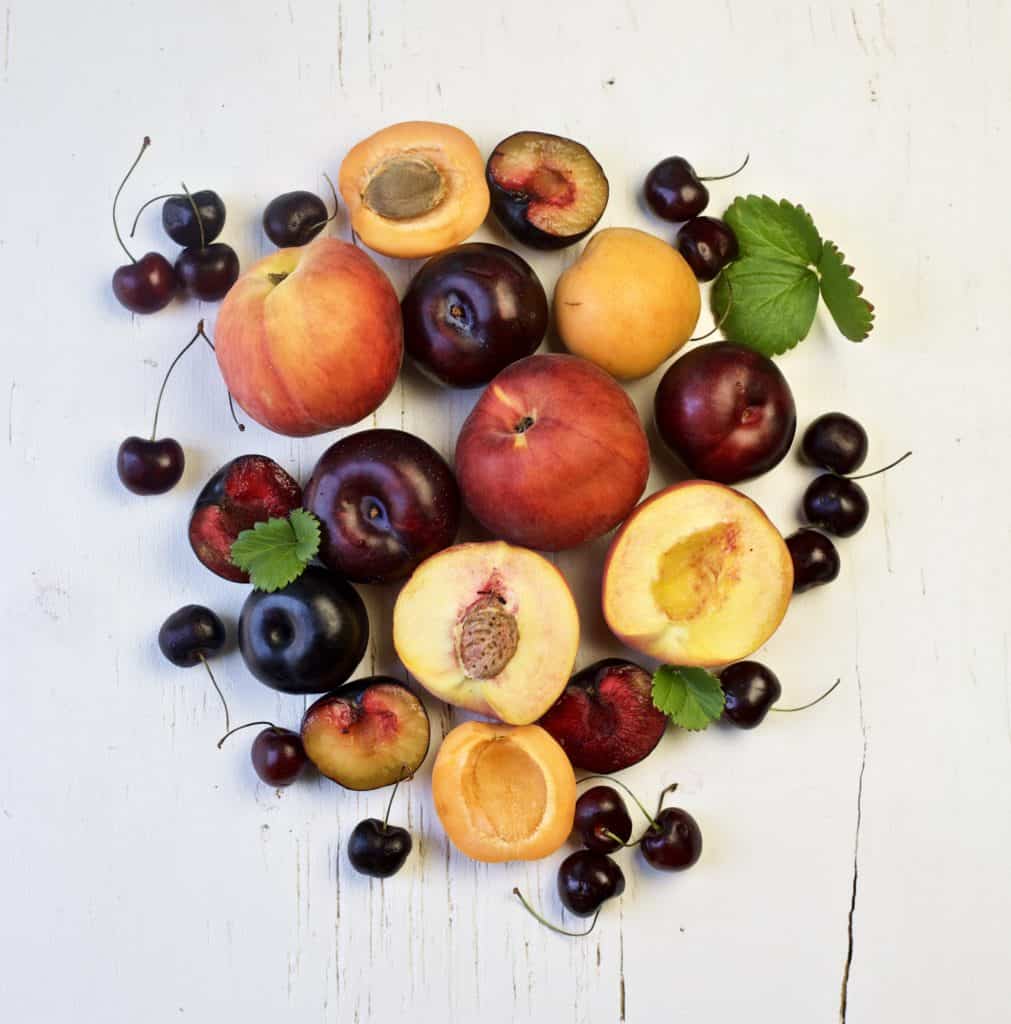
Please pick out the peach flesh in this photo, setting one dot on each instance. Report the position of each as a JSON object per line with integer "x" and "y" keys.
{"x": 694, "y": 574}
{"x": 505, "y": 789}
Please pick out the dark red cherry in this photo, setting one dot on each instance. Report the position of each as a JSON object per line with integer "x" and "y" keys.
{"x": 146, "y": 285}
{"x": 836, "y": 442}
{"x": 708, "y": 245}
{"x": 836, "y": 505}
{"x": 586, "y": 879}
{"x": 675, "y": 192}
{"x": 749, "y": 690}
{"x": 673, "y": 842}
{"x": 602, "y": 820}
{"x": 195, "y": 219}
{"x": 208, "y": 273}
{"x": 278, "y": 756}
{"x": 815, "y": 559}
{"x": 150, "y": 467}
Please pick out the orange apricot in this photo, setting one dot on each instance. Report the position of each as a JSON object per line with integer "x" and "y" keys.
{"x": 415, "y": 188}
{"x": 504, "y": 792}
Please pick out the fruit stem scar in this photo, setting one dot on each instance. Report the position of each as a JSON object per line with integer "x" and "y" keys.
{"x": 276, "y": 279}
{"x": 524, "y": 425}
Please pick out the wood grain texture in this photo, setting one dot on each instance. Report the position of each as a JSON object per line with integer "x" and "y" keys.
{"x": 863, "y": 845}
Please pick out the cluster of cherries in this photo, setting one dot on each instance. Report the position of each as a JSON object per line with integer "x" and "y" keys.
{"x": 674, "y": 192}
{"x": 589, "y": 877}
{"x": 193, "y": 634}
{"x": 205, "y": 268}
{"x": 835, "y": 504}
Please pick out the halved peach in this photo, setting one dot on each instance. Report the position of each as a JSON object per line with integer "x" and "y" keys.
{"x": 504, "y": 792}
{"x": 697, "y": 576}
{"x": 415, "y": 188}
{"x": 488, "y": 627}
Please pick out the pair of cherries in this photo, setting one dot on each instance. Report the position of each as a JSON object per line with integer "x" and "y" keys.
{"x": 589, "y": 877}
{"x": 674, "y": 192}
{"x": 205, "y": 268}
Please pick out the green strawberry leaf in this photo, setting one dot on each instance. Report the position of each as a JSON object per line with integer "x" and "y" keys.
{"x": 276, "y": 552}
{"x": 691, "y": 697}
{"x": 775, "y": 230}
{"x": 772, "y": 306}
{"x": 853, "y": 314}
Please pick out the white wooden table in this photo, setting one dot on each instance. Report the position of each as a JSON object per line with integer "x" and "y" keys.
{"x": 146, "y": 876}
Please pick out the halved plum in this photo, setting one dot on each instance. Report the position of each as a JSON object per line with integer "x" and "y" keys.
{"x": 369, "y": 734}
{"x": 248, "y": 490}
{"x": 605, "y": 719}
{"x": 547, "y": 191}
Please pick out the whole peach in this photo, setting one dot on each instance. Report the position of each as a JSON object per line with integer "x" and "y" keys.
{"x": 310, "y": 339}
{"x": 553, "y": 454}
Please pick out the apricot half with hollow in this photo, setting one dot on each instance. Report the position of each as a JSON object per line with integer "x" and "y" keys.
{"x": 504, "y": 792}
{"x": 546, "y": 191}
{"x": 415, "y": 188}
{"x": 488, "y": 627}
{"x": 697, "y": 576}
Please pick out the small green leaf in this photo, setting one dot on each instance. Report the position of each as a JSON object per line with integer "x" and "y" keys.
{"x": 853, "y": 314}
{"x": 780, "y": 230}
{"x": 692, "y": 697}
{"x": 276, "y": 552}
{"x": 774, "y": 303}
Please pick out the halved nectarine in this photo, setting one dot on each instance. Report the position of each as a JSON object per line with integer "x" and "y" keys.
{"x": 415, "y": 188}
{"x": 488, "y": 627}
{"x": 697, "y": 576}
{"x": 504, "y": 792}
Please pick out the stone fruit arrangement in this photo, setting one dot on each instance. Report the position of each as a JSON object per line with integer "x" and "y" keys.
{"x": 552, "y": 456}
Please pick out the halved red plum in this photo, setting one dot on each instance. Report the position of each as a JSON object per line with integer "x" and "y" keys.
{"x": 547, "y": 191}
{"x": 248, "y": 490}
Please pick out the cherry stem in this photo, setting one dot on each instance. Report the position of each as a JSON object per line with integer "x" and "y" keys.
{"x": 659, "y": 804}
{"x": 153, "y": 199}
{"x": 196, "y": 213}
{"x": 389, "y": 805}
{"x": 333, "y": 216}
{"x": 618, "y": 782}
{"x": 608, "y": 834}
{"x": 883, "y": 469}
{"x": 168, "y": 373}
{"x": 723, "y": 319}
{"x": 115, "y": 198}
{"x": 811, "y": 704}
{"x": 723, "y": 177}
{"x": 554, "y": 927}
{"x": 239, "y": 728}
{"x": 214, "y": 681}
{"x": 231, "y": 401}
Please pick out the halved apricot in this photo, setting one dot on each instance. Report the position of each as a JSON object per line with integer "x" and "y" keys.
{"x": 697, "y": 576}
{"x": 415, "y": 188}
{"x": 504, "y": 792}
{"x": 489, "y": 627}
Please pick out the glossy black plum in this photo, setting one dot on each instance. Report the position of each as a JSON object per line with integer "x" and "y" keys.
{"x": 674, "y": 843}
{"x": 294, "y": 218}
{"x": 586, "y": 879}
{"x": 307, "y": 637}
{"x": 749, "y": 690}
{"x": 145, "y": 285}
{"x": 602, "y": 820}
{"x": 674, "y": 191}
{"x": 386, "y": 500}
{"x": 472, "y": 311}
{"x": 815, "y": 559}
{"x": 191, "y": 634}
{"x": 278, "y": 756}
{"x": 378, "y": 849}
{"x": 836, "y": 442}
{"x": 836, "y": 505}
{"x": 708, "y": 245}
{"x": 179, "y": 219}
{"x": 209, "y": 272}
{"x": 150, "y": 467}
